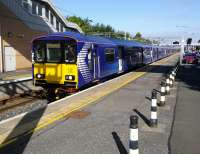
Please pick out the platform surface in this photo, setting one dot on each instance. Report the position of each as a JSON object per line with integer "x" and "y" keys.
{"x": 186, "y": 131}
{"x": 95, "y": 121}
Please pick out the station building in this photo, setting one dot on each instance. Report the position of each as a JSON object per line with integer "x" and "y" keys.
{"x": 20, "y": 22}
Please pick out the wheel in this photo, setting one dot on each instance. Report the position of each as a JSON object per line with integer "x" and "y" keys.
{"x": 51, "y": 96}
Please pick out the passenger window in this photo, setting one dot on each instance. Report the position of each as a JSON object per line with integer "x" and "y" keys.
{"x": 110, "y": 55}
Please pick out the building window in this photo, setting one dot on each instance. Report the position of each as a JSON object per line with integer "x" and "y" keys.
{"x": 52, "y": 22}
{"x": 61, "y": 27}
{"x": 110, "y": 55}
{"x": 34, "y": 8}
{"x": 47, "y": 12}
{"x": 57, "y": 25}
{"x": 39, "y": 9}
{"x": 25, "y": 4}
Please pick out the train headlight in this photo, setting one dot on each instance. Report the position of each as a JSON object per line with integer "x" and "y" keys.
{"x": 70, "y": 77}
{"x": 40, "y": 76}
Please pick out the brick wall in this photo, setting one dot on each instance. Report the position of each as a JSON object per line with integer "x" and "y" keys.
{"x": 17, "y": 35}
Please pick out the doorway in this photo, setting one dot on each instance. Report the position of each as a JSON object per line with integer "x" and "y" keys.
{"x": 9, "y": 59}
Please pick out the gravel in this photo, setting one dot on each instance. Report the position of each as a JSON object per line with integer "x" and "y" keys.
{"x": 32, "y": 106}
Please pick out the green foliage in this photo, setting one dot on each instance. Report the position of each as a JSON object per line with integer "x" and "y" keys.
{"x": 85, "y": 24}
{"x": 138, "y": 35}
{"x": 105, "y": 30}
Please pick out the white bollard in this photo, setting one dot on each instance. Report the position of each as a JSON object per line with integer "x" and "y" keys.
{"x": 154, "y": 118}
{"x": 167, "y": 85}
{"x": 162, "y": 94}
{"x": 133, "y": 142}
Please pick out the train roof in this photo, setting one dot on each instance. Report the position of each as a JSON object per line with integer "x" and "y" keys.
{"x": 126, "y": 43}
{"x": 94, "y": 39}
{"x": 79, "y": 37}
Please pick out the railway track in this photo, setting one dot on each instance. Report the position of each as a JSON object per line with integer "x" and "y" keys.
{"x": 20, "y": 100}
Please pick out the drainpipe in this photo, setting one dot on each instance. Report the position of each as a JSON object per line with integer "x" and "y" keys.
{"x": 1, "y": 52}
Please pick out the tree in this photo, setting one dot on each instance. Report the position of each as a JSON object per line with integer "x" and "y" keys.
{"x": 105, "y": 30}
{"x": 176, "y": 42}
{"x": 138, "y": 35}
{"x": 85, "y": 24}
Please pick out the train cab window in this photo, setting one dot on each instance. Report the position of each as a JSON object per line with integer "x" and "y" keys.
{"x": 70, "y": 54}
{"x": 54, "y": 53}
{"x": 39, "y": 52}
{"x": 110, "y": 55}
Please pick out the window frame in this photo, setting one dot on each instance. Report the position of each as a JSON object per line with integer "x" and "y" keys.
{"x": 105, "y": 54}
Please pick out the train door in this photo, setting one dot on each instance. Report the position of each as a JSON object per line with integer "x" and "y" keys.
{"x": 120, "y": 59}
{"x": 96, "y": 65}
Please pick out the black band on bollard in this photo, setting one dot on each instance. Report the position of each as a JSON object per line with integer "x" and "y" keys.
{"x": 154, "y": 123}
{"x": 134, "y": 122}
{"x": 163, "y": 84}
{"x": 133, "y": 145}
{"x": 154, "y": 94}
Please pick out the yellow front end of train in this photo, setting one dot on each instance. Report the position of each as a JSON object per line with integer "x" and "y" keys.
{"x": 55, "y": 66}
{"x": 56, "y": 74}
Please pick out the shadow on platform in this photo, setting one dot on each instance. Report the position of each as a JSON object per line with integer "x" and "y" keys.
{"x": 120, "y": 146}
{"x": 190, "y": 75}
{"x": 17, "y": 145}
{"x": 12, "y": 89}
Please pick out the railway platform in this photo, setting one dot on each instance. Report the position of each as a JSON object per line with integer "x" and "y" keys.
{"x": 96, "y": 120}
{"x": 15, "y": 75}
{"x": 15, "y": 83}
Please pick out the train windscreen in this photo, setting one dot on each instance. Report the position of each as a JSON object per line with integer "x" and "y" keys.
{"x": 54, "y": 51}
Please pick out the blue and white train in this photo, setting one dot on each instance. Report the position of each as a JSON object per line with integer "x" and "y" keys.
{"x": 68, "y": 61}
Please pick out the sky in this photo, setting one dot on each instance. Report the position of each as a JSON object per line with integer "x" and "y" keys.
{"x": 169, "y": 18}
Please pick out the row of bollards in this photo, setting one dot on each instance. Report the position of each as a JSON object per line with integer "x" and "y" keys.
{"x": 165, "y": 90}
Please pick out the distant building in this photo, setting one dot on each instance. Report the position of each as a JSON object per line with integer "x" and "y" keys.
{"x": 20, "y": 22}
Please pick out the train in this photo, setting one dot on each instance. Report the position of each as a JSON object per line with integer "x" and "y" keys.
{"x": 66, "y": 62}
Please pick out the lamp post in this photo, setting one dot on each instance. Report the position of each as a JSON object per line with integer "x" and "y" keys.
{"x": 182, "y": 43}
{"x": 182, "y": 50}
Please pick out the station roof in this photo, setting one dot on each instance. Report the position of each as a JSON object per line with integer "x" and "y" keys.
{"x": 67, "y": 23}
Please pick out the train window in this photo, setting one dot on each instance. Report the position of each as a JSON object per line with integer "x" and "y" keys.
{"x": 39, "y": 50}
{"x": 110, "y": 55}
{"x": 147, "y": 52}
{"x": 54, "y": 53}
{"x": 70, "y": 54}
{"x": 120, "y": 52}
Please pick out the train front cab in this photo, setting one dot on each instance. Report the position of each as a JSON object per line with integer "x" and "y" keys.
{"x": 55, "y": 63}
